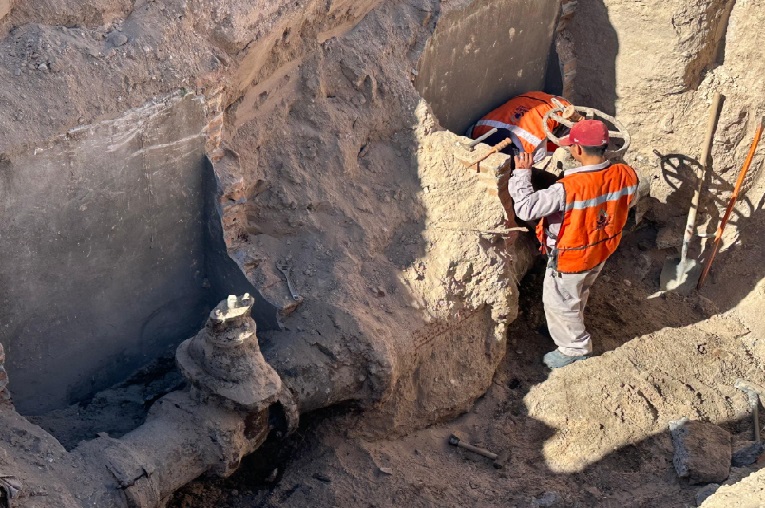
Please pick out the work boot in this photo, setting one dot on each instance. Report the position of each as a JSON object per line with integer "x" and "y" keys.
{"x": 556, "y": 359}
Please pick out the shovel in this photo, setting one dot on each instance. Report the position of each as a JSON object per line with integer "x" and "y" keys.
{"x": 681, "y": 274}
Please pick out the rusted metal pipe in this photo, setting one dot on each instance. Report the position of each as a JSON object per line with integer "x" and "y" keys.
{"x": 181, "y": 440}
{"x": 231, "y": 406}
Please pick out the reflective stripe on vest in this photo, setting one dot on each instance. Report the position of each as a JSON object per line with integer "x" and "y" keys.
{"x": 611, "y": 196}
{"x": 597, "y": 204}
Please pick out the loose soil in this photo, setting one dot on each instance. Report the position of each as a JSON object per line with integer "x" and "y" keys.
{"x": 328, "y": 156}
{"x": 592, "y": 434}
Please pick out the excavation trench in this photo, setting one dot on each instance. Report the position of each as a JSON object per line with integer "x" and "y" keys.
{"x": 405, "y": 310}
{"x": 322, "y": 159}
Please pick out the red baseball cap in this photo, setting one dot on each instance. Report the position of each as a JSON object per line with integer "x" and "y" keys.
{"x": 586, "y": 133}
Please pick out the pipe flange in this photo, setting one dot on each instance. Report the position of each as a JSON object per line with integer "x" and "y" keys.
{"x": 224, "y": 358}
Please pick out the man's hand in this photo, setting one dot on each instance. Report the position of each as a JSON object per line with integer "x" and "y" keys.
{"x": 524, "y": 160}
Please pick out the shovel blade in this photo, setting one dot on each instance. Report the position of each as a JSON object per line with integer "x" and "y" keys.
{"x": 678, "y": 276}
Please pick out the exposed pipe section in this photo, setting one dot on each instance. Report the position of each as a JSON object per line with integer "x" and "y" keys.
{"x": 234, "y": 401}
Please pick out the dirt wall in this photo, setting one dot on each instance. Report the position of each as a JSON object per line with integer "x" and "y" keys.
{"x": 320, "y": 145}
{"x": 121, "y": 248}
{"x": 103, "y": 251}
{"x": 483, "y": 53}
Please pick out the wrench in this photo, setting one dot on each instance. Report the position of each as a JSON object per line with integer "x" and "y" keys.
{"x": 285, "y": 268}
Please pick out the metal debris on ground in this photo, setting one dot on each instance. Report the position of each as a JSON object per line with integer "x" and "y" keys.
{"x": 755, "y": 394}
{"x": 455, "y": 440}
{"x": 285, "y": 268}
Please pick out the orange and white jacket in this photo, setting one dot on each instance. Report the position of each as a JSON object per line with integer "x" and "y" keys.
{"x": 583, "y": 214}
{"x": 523, "y": 116}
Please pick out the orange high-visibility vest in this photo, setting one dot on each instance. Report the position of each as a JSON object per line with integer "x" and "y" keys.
{"x": 521, "y": 115}
{"x": 597, "y": 204}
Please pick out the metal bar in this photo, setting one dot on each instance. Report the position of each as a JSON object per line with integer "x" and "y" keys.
{"x": 480, "y": 139}
{"x": 498, "y": 147}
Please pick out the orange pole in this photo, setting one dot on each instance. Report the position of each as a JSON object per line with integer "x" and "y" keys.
{"x": 732, "y": 202}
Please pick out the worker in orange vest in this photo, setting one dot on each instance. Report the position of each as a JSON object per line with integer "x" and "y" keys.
{"x": 521, "y": 119}
{"x": 582, "y": 217}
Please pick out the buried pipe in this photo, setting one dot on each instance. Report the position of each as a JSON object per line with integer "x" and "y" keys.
{"x": 235, "y": 400}
{"x": 181, "y": 440}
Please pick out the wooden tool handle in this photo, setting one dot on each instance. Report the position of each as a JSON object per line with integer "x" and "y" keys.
{"x": 479, "y": 451}
{"x": 499, "y": 146}
{"x": 690, "y": 225}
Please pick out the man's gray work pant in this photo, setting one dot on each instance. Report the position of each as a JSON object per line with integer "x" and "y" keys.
{"x": 564, "y": 296}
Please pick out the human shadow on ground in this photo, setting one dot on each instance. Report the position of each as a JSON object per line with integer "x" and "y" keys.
{"x": 325, "y": 464}
{"x": 638, "y": 472}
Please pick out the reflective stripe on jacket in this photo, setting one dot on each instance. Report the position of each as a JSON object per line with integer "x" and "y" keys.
{"x": 522, "y": 116}
{"x": 597, "y": 204}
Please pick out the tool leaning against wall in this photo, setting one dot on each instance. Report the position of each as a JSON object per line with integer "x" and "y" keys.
{"x": 731, "y": 203}
{"x": 681, "y": 274}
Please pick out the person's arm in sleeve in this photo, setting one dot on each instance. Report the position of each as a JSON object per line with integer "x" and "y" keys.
{"x": 530, "y": 204}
